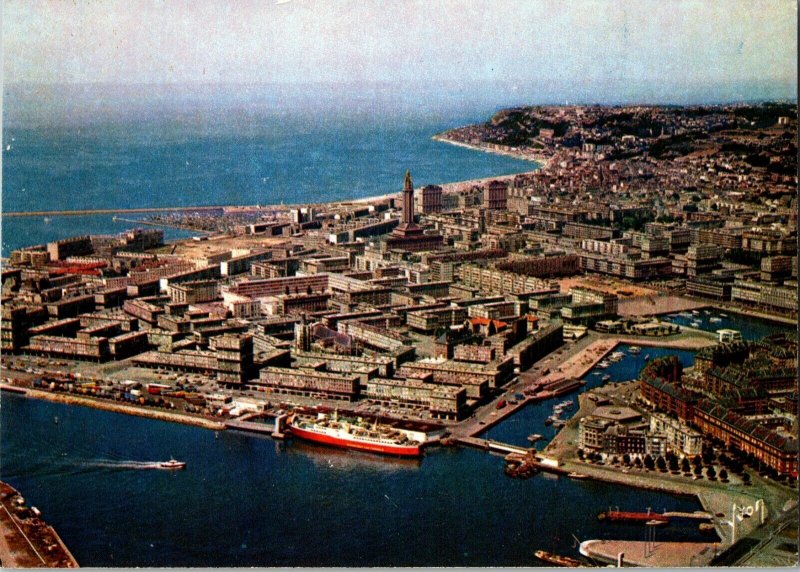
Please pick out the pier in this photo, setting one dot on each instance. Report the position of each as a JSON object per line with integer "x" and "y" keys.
{"x": 650, "y": 553}
{"x": 490, "y": 445}
{"x": 26, "y": 541}
{"x": 245, "y": 423}
{"x": 85, "y": 212}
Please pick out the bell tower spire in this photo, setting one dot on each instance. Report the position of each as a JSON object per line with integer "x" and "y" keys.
{"x": 408, "y": 199}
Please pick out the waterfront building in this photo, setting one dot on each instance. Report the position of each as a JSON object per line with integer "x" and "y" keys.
{"x": 681, "y": 438}
{"x": 778, "y": 451}
{"x": 775, "y": 298}
{"x": 711, "y": 286}
{"x": 443, "y": 402}
{"x": 475, "y": 378}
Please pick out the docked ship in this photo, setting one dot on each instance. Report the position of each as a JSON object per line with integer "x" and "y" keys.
{"x": 637, "y": 517}
{"x": 354, "y": 434}
{"x": 558, "y": 560}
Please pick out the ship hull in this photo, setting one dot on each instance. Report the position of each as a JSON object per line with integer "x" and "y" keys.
{"x": 358, "y": 445}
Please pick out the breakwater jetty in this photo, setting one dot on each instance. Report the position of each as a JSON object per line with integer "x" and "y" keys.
{"x": 118, "y": 408}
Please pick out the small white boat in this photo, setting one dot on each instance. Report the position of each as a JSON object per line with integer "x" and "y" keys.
{"x": 715, "y": 320}
{"x": 606, "y": 377}
{"x": 172, "y": 464}
{"x": 634, "y": 350}
{"x": 724, "y": 315}
{"x": 695, "y": 324}
{"x": 695, "y": 312}
{"x": 646, "y": 357}
{"x": 603, "y": 364}
{"x": 577, "y": 476}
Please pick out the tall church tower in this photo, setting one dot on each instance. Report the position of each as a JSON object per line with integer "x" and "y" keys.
{"x": 408, "y": 200}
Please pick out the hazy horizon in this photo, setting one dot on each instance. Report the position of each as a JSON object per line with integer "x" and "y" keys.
{"x": 588, "y": 50}
{"x": 39, "y": 104}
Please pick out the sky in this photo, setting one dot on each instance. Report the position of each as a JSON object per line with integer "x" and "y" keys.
{"x": 581, "y": 44}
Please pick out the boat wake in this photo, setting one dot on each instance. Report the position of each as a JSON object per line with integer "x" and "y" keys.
{"x": 122, "y": 465}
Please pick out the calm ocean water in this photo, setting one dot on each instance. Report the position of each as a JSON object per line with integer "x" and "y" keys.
{"x": 751, "y": 328}
{"x": 218, "y": 152}
{"x": 249, "y": 501}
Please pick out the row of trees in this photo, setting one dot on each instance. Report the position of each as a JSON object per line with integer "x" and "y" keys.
{"x": 668, "y": 463}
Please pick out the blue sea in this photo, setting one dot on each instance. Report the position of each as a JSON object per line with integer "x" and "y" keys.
{"x": 250, "y": 501}
{"x": 115, "y": 148}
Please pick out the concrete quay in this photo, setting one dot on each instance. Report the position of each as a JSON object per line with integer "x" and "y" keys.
{"x": 650, "y": 554}
{"x": 26, "y": 541}
{"x": 120, "y": 408}
{"x": 578, "y": 360}
{"x": 657, "y": 305}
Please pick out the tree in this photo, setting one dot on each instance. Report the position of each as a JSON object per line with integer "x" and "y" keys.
{"x": 661, "y": 464}
{"x": 746, "y": 478}
{"x": 685, "y": 467}
{"x": 698, "y": 471}
{"x": 637, "y": 463}
{"x": 649, "y": 463}
{"x": 711, "y": 473}
{"x": 626, "y": 458}
{"x": 580, "y": 454}
{"x": 697, "y": 461}
{"x": 723, "y": 476}
{"x": 673, "y": 464}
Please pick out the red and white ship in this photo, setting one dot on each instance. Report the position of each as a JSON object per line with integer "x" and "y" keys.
{"x": 354, "y": 434}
